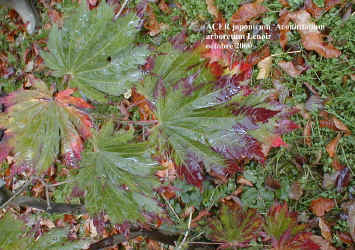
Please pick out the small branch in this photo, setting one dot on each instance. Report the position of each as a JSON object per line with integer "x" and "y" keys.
{"x": 54, "y": 207}
{"x": 122, "y": 8}
{"x": 119, "y": 238}
{"x": 186, "y": 233}
{"x": 171, "y": 208}
{"x": 290, "y": 52}
{"x": 15, "y": 194}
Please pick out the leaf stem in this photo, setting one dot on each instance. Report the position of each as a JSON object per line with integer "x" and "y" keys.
{"x": 15, "y": 194}
{"x": 122, "y": 8}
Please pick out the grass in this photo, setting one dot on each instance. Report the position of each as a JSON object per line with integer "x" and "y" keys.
{"x": 332, "y": 78}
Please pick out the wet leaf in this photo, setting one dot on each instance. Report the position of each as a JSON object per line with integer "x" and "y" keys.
{"x": 120, "y": 173}
{"x": 322, "y": 205}
{"x": 43, "y": 125}
{"x": 312, "y": 39}
{"x": 95, "y": 53}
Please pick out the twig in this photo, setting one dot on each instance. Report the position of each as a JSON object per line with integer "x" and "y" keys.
{"x": 15, "y": 194}
{"x": 47, "y": 193}
{"x": 186, "y": 233}
{"x": 122, "y": 8}
{"x": 171, "y": 208}
{"x": 290, "y": 52}
{"x": 59, "y": 183}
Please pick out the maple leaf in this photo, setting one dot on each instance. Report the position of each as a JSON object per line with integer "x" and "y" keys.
{"x": 41, "y": 124}
{"x": 11, "y": 231}
{"x": 235, "y": 227}
{"x": 322, "y": 205}
{"x": 206, "y": 124}
{"x": 285, "y": 232}
{"x": 120, "y": 176}
{"x": 96, "y": 53}
{"x": 312, "y": 39}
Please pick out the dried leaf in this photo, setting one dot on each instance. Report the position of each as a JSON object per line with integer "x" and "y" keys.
{"x": 316, "y": 11}
{"x": 322, "y": 205}
{"x": 291, "y": 69}
{"x": 332, "y": 146}
{"x": 296, "y": 191}
{"x": 312, "y": 39}
{"x": 152, "y": 23}
{"x": 284, "y": 3}
{"x": 212, "y": 9}
{"x": 325, "y": 229}
{"x": 283, "y": 21}
{"x": 164, "y": 7}
{"x": 247, "y": 12}
{"x": 264, "y": 68}
{"x": 56, "y": 17}
{"x": 307, "y": 132}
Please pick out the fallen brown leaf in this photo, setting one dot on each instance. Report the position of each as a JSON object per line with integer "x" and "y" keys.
{"x": 283, "y": 20}
{"x": 296, "y": 191}
{"x": 318, "y": 11}
{"x": 247, "y": 12}
{"x": 291, "y": 69}
{"x": 152, "y": 23}
{"x": 164, "y": 7}
{"x": 332, "y": 146}
{"x": 322, "y": 205}
{"x": 212, "y": 9}
{"x": 312, "y": 39}
{"x": 325, "y": 229}
{"x": 242, "y": 180}
{"x": 56, "y": 17}
{"x": 307, "y": 132}
{"x": 264, "y": 68}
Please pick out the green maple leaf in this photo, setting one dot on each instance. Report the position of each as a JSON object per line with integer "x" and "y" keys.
{"x": 118, "y": 176}
{"x": 41, "y": 124}
{"x": 11, "y": 232}
{"x": 95, "y": 52}
{"x": 203, "y": 124}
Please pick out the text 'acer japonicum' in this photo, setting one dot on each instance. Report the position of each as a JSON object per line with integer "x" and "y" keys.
{"x": 209, "y": 124}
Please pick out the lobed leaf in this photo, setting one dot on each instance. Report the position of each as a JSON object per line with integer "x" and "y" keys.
{"x": 117, "y": 176}
{"x": 40, "y": 125}
{"x": 235, "y": 228}
{"x": 95, "y": 52}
